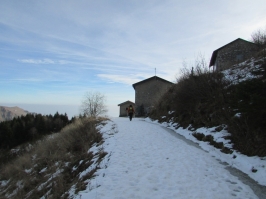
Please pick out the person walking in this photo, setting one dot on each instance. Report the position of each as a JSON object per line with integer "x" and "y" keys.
{"x": 130, "y": 111}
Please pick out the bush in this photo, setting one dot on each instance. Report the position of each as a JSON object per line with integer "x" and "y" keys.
{"x": 248, "y": 129}
{"x": 196, "y": 99}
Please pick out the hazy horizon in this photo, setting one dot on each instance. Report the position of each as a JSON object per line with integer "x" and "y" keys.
{"x": 46, "y": 109}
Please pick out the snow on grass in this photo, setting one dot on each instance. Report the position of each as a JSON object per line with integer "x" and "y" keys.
{"x": 108, "y": 131}
{"x": 146, "y": 161}
{"x": 243, "y": 71}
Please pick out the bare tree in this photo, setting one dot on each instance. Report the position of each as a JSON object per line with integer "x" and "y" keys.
{"x": 259, "y": 37}
{"x": 93, "y": 104}
{"x": 199, "y": 67}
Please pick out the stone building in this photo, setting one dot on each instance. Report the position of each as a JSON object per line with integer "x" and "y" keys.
{"x": 123, "y": 107}
{"x": 232, "y": 53}
{"x": 148, "y": 92}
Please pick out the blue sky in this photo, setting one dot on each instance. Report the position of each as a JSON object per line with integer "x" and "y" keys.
{"x": 52, "y": 52}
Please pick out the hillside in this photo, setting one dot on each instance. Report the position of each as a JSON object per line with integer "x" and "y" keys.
{"x": 8, "y": 113}
{"x": 231, "y": 100}
{"x": 119, "y": 158}
{"x": 54, "y": 164}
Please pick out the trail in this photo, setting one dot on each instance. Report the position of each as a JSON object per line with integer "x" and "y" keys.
{"x": 146, "y": 161}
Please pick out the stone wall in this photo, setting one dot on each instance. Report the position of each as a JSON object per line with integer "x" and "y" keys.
{"x": 123, "y": 106}
{"x": 234, "y": 53}
{"x": 148, "y": 93}
{"x": 123, "y": 112}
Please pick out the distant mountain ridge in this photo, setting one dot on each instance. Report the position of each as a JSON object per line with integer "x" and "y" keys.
{"x": 8, "y": 113}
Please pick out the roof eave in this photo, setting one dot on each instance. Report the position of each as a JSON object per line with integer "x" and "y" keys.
{"x": 129, "y": 102}
{"x": 150, "y": 79}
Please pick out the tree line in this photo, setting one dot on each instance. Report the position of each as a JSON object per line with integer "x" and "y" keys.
{"x": 29, "y": 128}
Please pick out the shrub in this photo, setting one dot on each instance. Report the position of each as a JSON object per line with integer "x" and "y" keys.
{"x": 248, "y": 129}
{"x": 196, "y": 99}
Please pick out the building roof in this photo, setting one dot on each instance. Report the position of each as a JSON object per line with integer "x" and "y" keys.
{"x": 126, "y": 102}
{"x": 151, "y": 78}
{"x": 214, "y": 54}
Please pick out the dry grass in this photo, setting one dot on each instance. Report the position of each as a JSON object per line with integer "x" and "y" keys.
{"x": 48, "y": 169}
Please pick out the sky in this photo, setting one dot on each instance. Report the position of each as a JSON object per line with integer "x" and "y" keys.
{"x": 53, "y": 52}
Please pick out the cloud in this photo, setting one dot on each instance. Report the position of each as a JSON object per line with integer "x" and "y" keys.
{"x": 28, "y": 80}
{"x": 147, "y": 35}
{"x": 37, "y": 61}
{"x": 104, "y": 45}
{"x": 49, "y": 61}
{"x": 123, "y": 79}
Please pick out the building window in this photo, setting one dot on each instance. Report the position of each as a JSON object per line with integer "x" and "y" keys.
{"x": 239, "y": 57}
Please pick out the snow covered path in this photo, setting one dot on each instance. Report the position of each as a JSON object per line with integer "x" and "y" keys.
{"x": 146, "y": 161}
